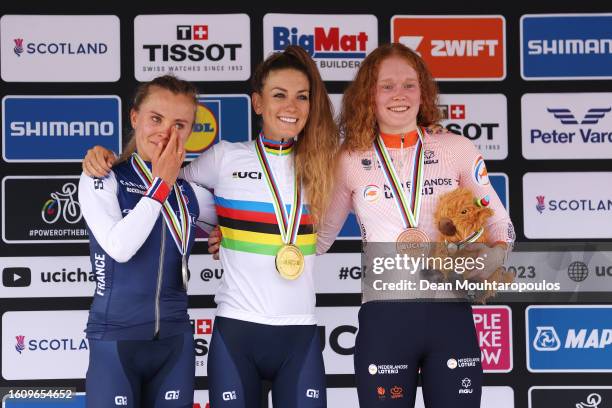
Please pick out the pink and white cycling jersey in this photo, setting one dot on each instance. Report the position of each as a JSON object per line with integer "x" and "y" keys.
{"x": 450, "y": 161}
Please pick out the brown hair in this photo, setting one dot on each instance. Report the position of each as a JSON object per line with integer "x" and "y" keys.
{"x": 358, "y": 118}
{"x": 318, "y": 141}
{"x": 167, "y": 82}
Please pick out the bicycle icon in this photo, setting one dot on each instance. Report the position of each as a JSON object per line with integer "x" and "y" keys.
{"x": 62, "y": 204}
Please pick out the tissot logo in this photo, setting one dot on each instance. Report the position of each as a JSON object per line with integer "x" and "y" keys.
{"x": 16, "y": 277}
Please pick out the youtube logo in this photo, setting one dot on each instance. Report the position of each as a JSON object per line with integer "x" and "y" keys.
{"x": 16, "y": 277}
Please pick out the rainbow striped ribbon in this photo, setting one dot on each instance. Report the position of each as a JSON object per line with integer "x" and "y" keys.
{"x": 180, "y": 229}
{"x": 288, "y": 224}
{"x": 409, "y": 210}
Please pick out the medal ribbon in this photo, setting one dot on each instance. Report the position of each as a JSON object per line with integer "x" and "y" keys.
{"x": 472, "y": 238}
{"x": 180, "y": 229}
{"x": 409, "y": 210}
{"x": 288, "y": 224}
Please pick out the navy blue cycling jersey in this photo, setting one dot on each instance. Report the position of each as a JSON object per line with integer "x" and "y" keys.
{"x": 139, "y": 291}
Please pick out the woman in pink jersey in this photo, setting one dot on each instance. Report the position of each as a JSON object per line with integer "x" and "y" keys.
{"x": 386, "y": 151}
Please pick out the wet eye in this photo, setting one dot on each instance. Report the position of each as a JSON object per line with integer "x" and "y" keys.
{"x": 156, "y": 119}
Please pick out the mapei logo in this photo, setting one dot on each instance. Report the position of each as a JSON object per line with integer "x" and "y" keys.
{"x": 192, "y": 32}
{"x": 546, "y": 339}
{"x": 456, "y": 47}
{"x": 322, "y": 42}
{"x": 567, "y": 117}
{"x": 18, "y": 46}
{"x": 20, "y": 346}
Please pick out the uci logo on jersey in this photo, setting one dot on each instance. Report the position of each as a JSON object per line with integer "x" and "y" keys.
{"x": 254, "y": 175}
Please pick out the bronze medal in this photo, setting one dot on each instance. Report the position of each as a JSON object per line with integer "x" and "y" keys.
{"x": 413, "y": 242}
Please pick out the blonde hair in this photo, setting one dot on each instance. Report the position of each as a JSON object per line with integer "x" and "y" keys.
{"x": 318, "y": 142}
{"x": 358, "y": 117}
{"x": 167, "y": 82}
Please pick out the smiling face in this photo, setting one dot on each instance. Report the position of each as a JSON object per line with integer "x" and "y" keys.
{"x": 158, "y": 113}
{"x": 283, "y": 103}
{"x": 397, "y": 96}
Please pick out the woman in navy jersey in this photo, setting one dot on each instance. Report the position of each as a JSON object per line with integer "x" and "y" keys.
{"x": 141, "y": 223}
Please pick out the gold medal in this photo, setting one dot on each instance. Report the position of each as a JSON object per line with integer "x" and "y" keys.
{"x": 413, "y": 242}
{"x": 289, "y": 262}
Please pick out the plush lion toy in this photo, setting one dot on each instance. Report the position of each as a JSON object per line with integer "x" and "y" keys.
{"x": 461, "y": 220}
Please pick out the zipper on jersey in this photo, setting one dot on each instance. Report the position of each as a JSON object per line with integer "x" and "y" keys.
{"x": 160, "y": 274}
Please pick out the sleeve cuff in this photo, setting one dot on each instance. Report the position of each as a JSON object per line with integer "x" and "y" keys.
{"x": 159, "y": 190}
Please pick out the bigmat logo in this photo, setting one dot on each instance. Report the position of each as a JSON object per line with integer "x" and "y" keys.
{"x": 337, "y": 43}
{"x": 50, "y": 214}
{"x": 45, "y": 48}
{"x": 494, "y": 329}
{"x": 44, "y": 345}
{"x": 205, "y": 47}
{"x": 567, "y": 126}
{"x": 219, "y": 117}
{"x": 466, "y": 48}
{"x": 595, "y": 396}
{"x": 58, "y": 128}
{"x": 567, "y": 205}
{"x": 566, "y": 46}
{"x": 482, "y": 118}
{"x": 569, "y": 338}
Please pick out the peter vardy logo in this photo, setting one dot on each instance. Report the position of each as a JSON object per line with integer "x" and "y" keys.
{"x": 20, "y": 346}
{"x": 18, "y": 46}
{"x": 567, "y": 117}
{"x": 546, "y": 339}
{"x": 569, "y": 338}
{"x": 58, "y": 128}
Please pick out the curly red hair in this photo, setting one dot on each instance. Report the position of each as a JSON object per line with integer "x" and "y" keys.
{"x": 358, "y": 118}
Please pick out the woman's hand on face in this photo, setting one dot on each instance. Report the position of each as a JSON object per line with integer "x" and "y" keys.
{"x": 167, "y": 160}
{"x": 98, "y": 161}
{"x": 214, "y": 240}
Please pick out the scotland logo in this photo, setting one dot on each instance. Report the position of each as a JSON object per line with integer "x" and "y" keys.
{"x": 20, "y": 346}
{"x": 540, "y": 206}
{"x": 18, "y": 46}
{"x": 546, "y": 339}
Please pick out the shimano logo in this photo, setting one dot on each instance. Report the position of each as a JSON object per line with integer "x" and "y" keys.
{"x": 570, "y": 46}
{"x": 57, "y": 128}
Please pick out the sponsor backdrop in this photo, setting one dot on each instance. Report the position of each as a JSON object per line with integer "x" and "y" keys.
{"x": 530, "y": 88}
